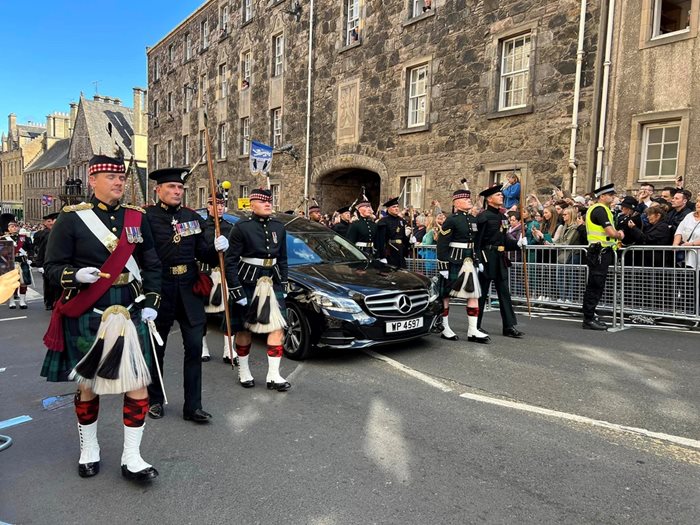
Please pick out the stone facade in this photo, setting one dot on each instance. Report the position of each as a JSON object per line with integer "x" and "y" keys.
{"x": 658, "y": 53}
{"x": 398, "y": 101}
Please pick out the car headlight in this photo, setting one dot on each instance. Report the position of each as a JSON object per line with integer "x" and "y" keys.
{"x": 335, "y": 303}
{"x": 434, "y": 290}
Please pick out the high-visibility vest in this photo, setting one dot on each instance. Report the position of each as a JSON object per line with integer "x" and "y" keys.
{"x": 596, "y": 233}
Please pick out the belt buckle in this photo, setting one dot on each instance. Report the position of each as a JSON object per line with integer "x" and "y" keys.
{"x": 501, "y": 248}
{"x": 267, "y": 263}
{"x": 122, "y": 280}
{"x": 179, "y": 269}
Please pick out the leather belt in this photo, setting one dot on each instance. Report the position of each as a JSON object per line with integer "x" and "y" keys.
{"x": 255, "y": 261}
{"x": 364, "y": 244}
{"x": 462, "y": 245}
{"x": 180, "y": 269}
{"x": 396, "y": 241}
{"x": 498, "y": 247}
{"x": 124, "y": 278}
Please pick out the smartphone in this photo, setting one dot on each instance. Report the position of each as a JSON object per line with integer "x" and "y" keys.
{"x": 7, "y": 256}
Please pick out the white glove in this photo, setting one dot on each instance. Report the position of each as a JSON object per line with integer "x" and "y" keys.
{"x": 148, "y": 314}
{"x": 480, "y": 268}
{"x": 41, "y": 270}
{"x": 221, "y": 243}
{"x": 444, "y": 274}
{"x": 413, "y": 239}
{"x": 383, "y": 261}
{"x": 522, "y": 241}
{"x": 242, "y": 301}
{"x": 88, "y": 275}
{"x": 22, "y": 252}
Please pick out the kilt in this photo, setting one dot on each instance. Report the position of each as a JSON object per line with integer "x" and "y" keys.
{"x": 80, "y": 334}
{"x": 239, "y": 312}
{"x": 25, "y": 273}
{"x": 453, "y": 274}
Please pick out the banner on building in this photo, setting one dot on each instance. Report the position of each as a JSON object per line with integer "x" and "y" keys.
{"x": 260, "y": 158}
{"x": 46, "y": 200}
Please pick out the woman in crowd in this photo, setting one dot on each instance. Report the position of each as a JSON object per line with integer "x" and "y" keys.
{"x": 514, "y": 232}
{"x": 688, "y": 234}
{"x": 655, "y": 232}
{"x": 426, "y": 248}
{"x": 568, "y": 276}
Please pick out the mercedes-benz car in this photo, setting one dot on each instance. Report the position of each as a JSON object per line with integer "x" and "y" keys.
{"x": 339, "y": 299}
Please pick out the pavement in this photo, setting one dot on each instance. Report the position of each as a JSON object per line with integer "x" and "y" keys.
{"x": 563, "y": 426}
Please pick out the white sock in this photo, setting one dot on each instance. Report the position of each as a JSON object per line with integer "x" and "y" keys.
{"x": 89, "y": 447}
{"x": 473, "y": 331}
{"x": 243, "y": 369}
{"x": 446, "y": 330}
{"x": 22, "y": 299}
{"x": 131, "y": 457}
{"x": 205, "y": 347}
{"x": 273, "y": 370}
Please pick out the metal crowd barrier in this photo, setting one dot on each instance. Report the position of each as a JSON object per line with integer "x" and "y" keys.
{"x": 644, "y": 283}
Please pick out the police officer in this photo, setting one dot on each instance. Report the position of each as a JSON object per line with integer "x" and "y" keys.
{"x": 51, "y": 290}
{"x": 494, "y": 243}
{"x": 256, "y": 273}
{"x": 215, "y": 302}
{"x": 459, "y": 263}
{"x": 103, "y": 255}
{"x": 341, "y": 228}
{"x": 180, "y": 242}
{"x": 396, "y": 241}
{"x": 602, "y": 243}
{"x": 365, "y": 234}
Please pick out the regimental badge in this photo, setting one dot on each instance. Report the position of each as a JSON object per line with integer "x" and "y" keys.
{"x": 133, "y": 234}
{"x": 274, "y": 237}
{"x": 176, "y": 237}
{"x": 111, "y": 243}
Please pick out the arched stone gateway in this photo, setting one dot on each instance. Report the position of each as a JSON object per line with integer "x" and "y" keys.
{"x": 337, "y": 180}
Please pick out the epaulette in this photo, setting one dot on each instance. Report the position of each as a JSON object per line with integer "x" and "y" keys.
{"x": 132, "y": 207}
{"x": 78, "y": 207}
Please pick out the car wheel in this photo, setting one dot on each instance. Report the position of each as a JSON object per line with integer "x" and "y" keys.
{"x": 297, "y": 340}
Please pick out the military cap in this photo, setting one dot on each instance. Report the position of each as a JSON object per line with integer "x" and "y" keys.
{"x": 219, "y": 198}
{"x": 50, "y": 216}
{"x": 314, "y": 207}
{"x": 608, "y": 188}
{"x": 260, "y": 194}
{"x": 461, "y": 194}
{"x": 490, "y": 191}
{"x": 164, "y": 175}
{"x": 105, "y": 164}
{"x": 391, "y": 202}
{"x": 342, "y": 210}
{"x": 5, "y": 220}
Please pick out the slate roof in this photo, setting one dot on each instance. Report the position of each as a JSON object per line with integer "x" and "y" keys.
{"x": 24, "y": 130}
{"x": 108, "y": 125}
{"x": 55, "y": 157}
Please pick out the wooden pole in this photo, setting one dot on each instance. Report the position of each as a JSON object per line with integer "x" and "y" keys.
{"x": 523, "y": 251}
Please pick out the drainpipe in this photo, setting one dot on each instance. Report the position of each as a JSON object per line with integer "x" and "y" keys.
{"x": 604, "y": 97}
{"x": 573, "y": 162}
{"x": 309, "y": 88}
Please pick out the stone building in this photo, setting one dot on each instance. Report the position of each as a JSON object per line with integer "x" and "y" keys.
{"x": 44, "y": 180}
{"x": 404, "y": 99}
{"x": 653, "y": 120}
{"x": 22, "y": 144}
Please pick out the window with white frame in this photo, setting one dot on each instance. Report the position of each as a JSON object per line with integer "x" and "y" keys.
{"x": 276, "y": 127}
{"x": 156, "y": 68}
{"x": 204, "y": 33}
{"x": 155, "y": 156}
{"x": 202, "y": 143}
{"x": 223, "y": 140}
{"x": 417, "y": 95}
{"x": 247, "y": 10}
{"x": 222, "y": 81}
{"x": 278, "y": 59}
{"x": 224, "y": 19}
{"x": 188, "y": 47}
{"x": 515, "y": 72}
{"x": 418, "y": 7}
{"x": 660, "y": 151}
{"x": 186, "y": 149}
{"x": 246, "y": 64}
{"x": 201, "y": 197}
{"x": 171, "y": 159}
{"x": 670, "y": 17}
{"x": 243, "y": 191}
{"x": 275, "y": 190}
{"x": 245, "y": 136}
{"x": 352, "y": 21}
{"x": 411, "y": 192}
{"x": 187, "y": 96}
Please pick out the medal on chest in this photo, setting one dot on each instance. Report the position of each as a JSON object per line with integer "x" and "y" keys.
{"x": 185, "y": 229}
{"x": 504, "y": 225}
{"x": 176, "y": 237}
{"x": 133, "y": 234}
{"x": 274, "y": 237}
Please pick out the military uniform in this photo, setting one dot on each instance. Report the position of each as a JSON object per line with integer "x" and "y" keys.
{"x": 180, "y": 243}
{"x": 24, "y": 250}
{"x": 494, "y": 242}
{"x": 366, "y": 235}
{"x": 51, "y": 290}
{"x": 342, "y": 227}
{"x": 396, "y": 241}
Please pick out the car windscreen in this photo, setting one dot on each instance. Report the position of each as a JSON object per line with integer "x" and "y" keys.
{"x": 320, "y": 247}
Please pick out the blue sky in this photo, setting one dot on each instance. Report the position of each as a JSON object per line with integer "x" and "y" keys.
{"x": 53, "y": 50}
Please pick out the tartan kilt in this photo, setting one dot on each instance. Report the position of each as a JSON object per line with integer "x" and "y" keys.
{"x": 453, "y": 274}
{"x": 80, "y": 334}
{"x": 239, "y": 312}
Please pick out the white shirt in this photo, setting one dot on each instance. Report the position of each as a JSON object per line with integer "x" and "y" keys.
{"x": 689, "y": 230}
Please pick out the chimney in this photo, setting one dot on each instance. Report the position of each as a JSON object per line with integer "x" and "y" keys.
{"x": 73, "y": 115}
{"x": 139, "y": 128}
{"x": 117, "y": 101}
{"x": 11, "y": 124}
{"x": 50, "y": 126}
{"x": 97, "y": 98}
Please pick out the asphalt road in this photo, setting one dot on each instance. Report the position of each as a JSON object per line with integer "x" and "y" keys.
{"x": 428, "y": 432}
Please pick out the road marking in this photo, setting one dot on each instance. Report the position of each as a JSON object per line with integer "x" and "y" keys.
{"x": 13, "y": 318}
{"x": 3, "y": 369}
{"x": 582, "y": 419}
{"x": 410, "y": 371}
{"x": 14, "y": 421}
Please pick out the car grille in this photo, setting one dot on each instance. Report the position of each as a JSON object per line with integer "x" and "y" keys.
{"x": 397, "y": 304}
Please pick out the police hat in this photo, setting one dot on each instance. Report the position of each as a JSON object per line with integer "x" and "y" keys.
{"x": 608, "y": 188}
{"x": 342, "y": 210}
{"x": 630, "y": 202}
{"x": 170, "y": 175}
{"x": 490, "y": 191}
{"x": 260, "y": 194}
{"x": 105, "y": 164}
{"x": 50, "y": 216}
{"x": 391, "y": 202}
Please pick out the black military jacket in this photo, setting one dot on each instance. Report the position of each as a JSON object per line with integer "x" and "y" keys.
{"x": 366, "y": 230}
{"x": 260, "y": 238}
{"x": 460, "y": 227}
{"x": 342, "y": 228}
{"x": 72, "y": 246}
{"x": 493, "y": 227}
{"x": 41, "y": 238}
{"x": 180, "y": 242}
{"x": 395, "y": 231}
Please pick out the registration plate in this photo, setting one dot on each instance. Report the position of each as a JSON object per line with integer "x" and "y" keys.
{"x": 404, "y": 325}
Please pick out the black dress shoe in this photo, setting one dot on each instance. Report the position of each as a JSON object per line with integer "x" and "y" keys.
{"x": 594, "y": 324}
{"x": 453, "y": 338}
{"x": 206, "y": 358}
{"x": 248, "y": 384}
{"x": 22, "y": 306}
{"x": 512, "y": 331}
{"x": 88, "y": 470}
{"x": 197, "y": 416}
{"x": 482, "y": 330}
{"x": 156, "y": 411}
{"x": 480, "y": 340}
{"x": 280, "y": 387}
{"x": 141, "y": 476}
{"x": 227, "y": 360}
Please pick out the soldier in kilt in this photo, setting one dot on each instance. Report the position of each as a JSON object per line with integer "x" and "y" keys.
{"x": 459, "y": 265}
{"x": 102, "y": 254}
{"x": 256, "y": 273}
